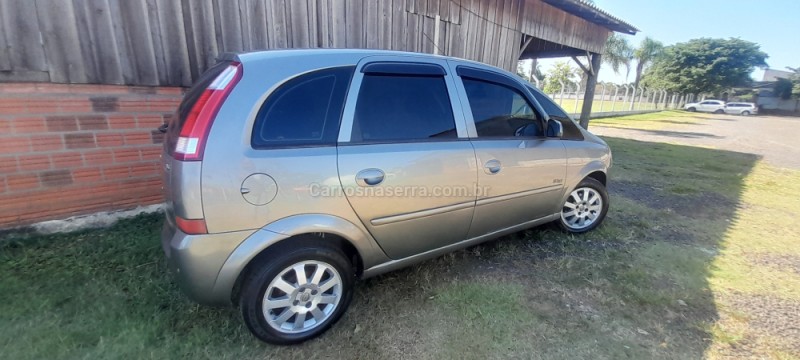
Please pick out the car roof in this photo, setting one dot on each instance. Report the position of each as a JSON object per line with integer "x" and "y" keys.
{"x": 266, "y": 54}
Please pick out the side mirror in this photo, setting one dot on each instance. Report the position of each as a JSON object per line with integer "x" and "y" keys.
{"x": 554, "y": 129}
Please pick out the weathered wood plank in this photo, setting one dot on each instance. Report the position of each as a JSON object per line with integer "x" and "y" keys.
{"x": 399, "y": 25}
{"x": 413, "y": 33}
{"x": 200, "y": 35}
{"x": 279, "y": 37}
{"x": 370, "y": 21}
{"x": 257, "y": 14}
{"x": 385, "y": 24}
{"x": 354, "y": 17}
{"x": 173, "y": 43}
{"x": 5, "y": 57}
{"x": 60, "y": 35}
{"x": 312, "y": 21}
{"x": 158, "y": 44}
{"x": 338, "y": 11}
{"x": 324, "y": 39}
{"x": 245, "y": 27}
{"x": 22, "y": 34}
{"x": 299, "y": 19}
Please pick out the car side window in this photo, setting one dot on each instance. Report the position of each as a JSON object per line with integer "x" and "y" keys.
{"x": 571, "y": 131}
{"x": 403, "y": 107}
{"x": 304, "y": 111}
{"x": 500, "y": 111}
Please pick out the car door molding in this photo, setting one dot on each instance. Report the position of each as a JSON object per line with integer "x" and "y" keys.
{"x": 491, "y": 200}
{"x": 422, "y": 213}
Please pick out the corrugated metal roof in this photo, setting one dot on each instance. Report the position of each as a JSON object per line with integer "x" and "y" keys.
{"x": 591, "y": 12}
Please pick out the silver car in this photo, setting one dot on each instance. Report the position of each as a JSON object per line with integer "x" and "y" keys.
{"x": 741, "y": 108}
{"x": 290, "y": 174}
{"x": 710, "y": 106}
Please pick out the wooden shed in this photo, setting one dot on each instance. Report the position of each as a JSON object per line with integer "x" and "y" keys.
{"x": 171, "y": 42}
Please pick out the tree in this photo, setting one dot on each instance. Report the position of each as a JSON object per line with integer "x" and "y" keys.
{"x": 783, "y": 88}
{"x": 645, "y": 54}
{"x": 795, "y": 79}
{"x": 705, "y": 65}
{"x": 563, "y": 71}
{"x": 526, "y": 72}
{"x": 618, "y": 53}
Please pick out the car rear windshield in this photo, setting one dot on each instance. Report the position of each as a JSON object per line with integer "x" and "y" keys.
{"x": 191, "y": 97}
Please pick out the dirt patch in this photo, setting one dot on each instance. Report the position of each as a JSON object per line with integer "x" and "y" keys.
{"x": 781, "y": 262}
{"x": 770, "y": 318}
{"x": 695, "y": 205}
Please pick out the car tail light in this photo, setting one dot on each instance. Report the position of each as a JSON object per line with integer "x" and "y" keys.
{"x": 194, "y": 133}
{"x": 191, "y": 226}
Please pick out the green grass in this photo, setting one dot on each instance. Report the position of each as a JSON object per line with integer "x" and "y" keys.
{"x": 664, "y": 277}
{"x": 651, "y": 121}
{"x": 569, "y": 105}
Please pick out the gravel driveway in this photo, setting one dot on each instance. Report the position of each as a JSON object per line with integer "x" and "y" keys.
{"x": 775, "y": 138}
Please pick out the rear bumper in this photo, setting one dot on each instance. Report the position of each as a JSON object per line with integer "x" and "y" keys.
{"x": 196, "y": 260}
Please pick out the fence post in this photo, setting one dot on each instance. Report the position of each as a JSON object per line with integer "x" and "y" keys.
{"x": 561, "y": 96}
{"x": 633, "y": 97}
{"x": 602, "y": 97}
{"x": 536, "y": 81}
{"x": 577, "y": 92}
{"x": 614, "y": 100}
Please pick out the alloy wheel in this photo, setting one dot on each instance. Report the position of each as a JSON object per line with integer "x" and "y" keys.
{"x": 302, "y": 296}
{"x": 582, "y": 208}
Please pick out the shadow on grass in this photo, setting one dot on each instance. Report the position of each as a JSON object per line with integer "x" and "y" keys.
{"x": 680, "y": 134}
{"x": 636, "y": 287}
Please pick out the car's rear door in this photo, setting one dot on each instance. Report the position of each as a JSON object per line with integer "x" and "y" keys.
{"x": 405, "y": 163}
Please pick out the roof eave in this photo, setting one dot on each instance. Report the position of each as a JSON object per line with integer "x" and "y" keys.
{"x": 592, "y": 13}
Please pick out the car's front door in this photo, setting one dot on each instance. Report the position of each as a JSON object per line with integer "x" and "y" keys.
{"x": 405, "y": 163}
{"x": 520, "y": 171}
{"x": 708, "y": 106}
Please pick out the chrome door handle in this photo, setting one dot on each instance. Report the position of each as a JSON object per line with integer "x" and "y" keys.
{"x": 369, "y": 177}
{"x": 492, "y": 167}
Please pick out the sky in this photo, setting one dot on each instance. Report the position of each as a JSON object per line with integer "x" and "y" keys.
{"x": 773, "y": 24}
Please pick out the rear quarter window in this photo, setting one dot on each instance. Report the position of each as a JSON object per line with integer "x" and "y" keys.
{"x": 305, "y": 111}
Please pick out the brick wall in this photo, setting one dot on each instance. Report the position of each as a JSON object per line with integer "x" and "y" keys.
{"x": 76, "y": 149}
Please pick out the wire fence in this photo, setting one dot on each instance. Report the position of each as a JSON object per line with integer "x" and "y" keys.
{"x": 610, "y": 97}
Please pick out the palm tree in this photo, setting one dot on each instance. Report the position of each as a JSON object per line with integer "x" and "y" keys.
{"x": 618, "y": 53}
{"x": 647, "y": 51}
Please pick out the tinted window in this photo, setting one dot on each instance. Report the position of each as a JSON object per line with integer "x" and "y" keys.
{"x": 501, "y": 111}
{"x": 403, "y": 107}
{"x": 571, "y": 131}
{"x": 304, "y": 111}
{"x": 548, "y": 105}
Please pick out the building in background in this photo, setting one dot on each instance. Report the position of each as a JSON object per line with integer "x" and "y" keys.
{"x": 84, "y": 84}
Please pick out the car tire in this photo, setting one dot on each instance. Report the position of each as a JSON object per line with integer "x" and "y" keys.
{"x": 691, "y": 109}
{"x": 274, "y": 296}
{"x": 585, "y": 208}
{"x": 719, "y": 111}
{"x": 745, "y": 113}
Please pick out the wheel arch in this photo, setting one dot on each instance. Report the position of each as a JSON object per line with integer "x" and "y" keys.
{"x": 597, "y": 175}
{"x": 357, "y": 245}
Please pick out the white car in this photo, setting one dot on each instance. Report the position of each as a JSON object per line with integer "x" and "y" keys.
{"x": 711, "y": 106}
{"x": 741, "y": 108}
